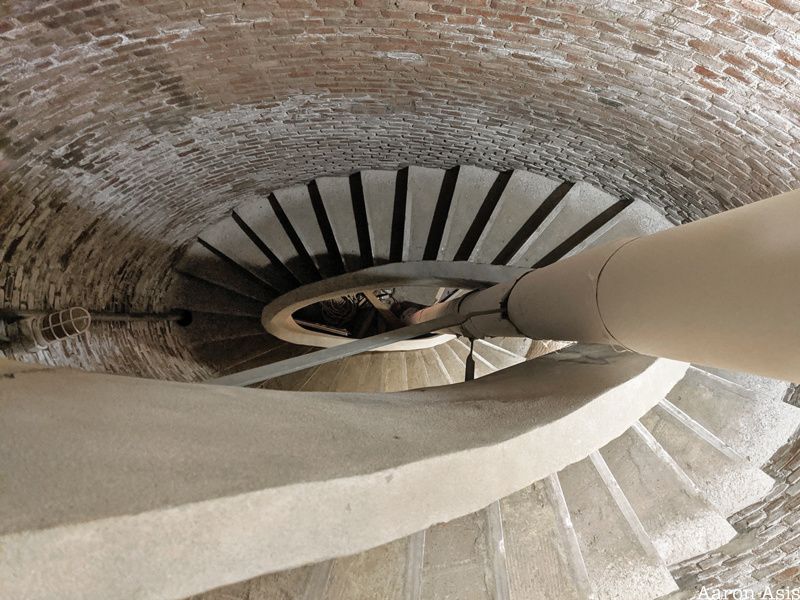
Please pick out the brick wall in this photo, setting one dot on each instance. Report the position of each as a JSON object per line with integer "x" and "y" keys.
{"x": 767, "y": 549}
{"x": 128, "y": 126}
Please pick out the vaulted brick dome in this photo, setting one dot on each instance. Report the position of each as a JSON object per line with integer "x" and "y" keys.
{"x": 128, "y": 126}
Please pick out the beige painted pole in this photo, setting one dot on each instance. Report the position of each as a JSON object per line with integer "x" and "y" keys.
{"x": 722, "y": 291}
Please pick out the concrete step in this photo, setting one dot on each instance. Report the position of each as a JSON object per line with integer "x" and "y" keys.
{"x": 497, "y": 356}
{"x": 423, "y": 192}
{"x": 515, "y": 345}
{"x": 639, "y": 218}
{"x": 283, "y": 585}
{"x": 472, "y": 186}
{"x": 291, "y": 382}
{"x": 349, "y": 376}
{"x": 260, "y": 358}
{"x": 377, "y": 573}
{"x": 542, "y": 552}
{"x": 296, "y": 204}
{"x": 620, "y": 559}
{"x": 416, "y": 373}
{"x": 372, "y": 379}
{"x": 324, "y": 378}
{"x": 765, "y": 388}
{"x": 200, "y": 262}
{"x": 434, "y": 367}
{"x": 379, "y": 197}
{"x": 208, "y": 327}
{"x": 261, "y": 218}
{"x": 461, "y": 348}
{"x": 226, "y": 354}
{"x": 754, "y": 425}
{"x": 192, "y": 293}
{"x": 581, "y": 204}
{"x": 679, "y": 522}
{"x": 725, "y": 479}
{"x": 394, "y": 376}
{"x": 524, "y": 193}
{"x": 453, "y": 365}
{"x": 240, "y": 257}
{"x": 338, "y": 202}
{"x": 457, "y": 560}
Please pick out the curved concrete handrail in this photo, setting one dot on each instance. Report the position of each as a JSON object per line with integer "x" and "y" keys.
{"x": 126, "y": 487}
{"x": 277, "y": 315}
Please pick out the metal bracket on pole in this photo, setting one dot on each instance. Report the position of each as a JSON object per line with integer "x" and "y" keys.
{"x": 469, "y": 366}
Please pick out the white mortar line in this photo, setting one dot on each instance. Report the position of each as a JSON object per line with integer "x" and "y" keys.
{"x": 699, "y": 430}
{"x": 630, "y": 516}
{"x": 666, "y": 458}
{"x": 318, "y": 579}
{"x": 567, "y": 535}
{"x": 497, "y": 550}
{"x": 415, "y": 556}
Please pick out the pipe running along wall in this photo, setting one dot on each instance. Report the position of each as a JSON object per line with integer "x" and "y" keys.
{"x": 723, "y": 291}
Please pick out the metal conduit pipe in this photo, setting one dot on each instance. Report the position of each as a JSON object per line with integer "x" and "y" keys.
{"x": 723, "y": 291}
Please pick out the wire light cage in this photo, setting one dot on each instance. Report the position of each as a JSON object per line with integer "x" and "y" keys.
{"x": 68, "y": 323}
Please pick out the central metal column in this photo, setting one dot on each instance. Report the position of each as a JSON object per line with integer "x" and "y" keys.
{"x": 722, "y": 291}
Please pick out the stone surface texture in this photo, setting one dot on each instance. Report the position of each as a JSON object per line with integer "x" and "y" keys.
{"x": 205, "y": 485}
{"x": 126, "y": 128}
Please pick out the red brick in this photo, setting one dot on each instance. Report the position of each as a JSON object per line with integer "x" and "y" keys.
{"x": 736, "y": 73}
{"x": 788, "y": 57}
{"x": 788, "y": 6}
{"x": 705, "y": 72}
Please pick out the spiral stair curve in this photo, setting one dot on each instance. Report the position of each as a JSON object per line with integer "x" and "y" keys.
{"x": 607, "y": 526}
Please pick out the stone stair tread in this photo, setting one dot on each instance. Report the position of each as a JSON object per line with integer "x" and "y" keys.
{"x": 372, "y": 380}
{"x": 457, "y": 561}
{"x": 197, "y": 295}
{"x": 227, "y": 353}
{"x": 472, "y": 186}
{"x": 680, "y": 523}
{"x": 261, "y": 218}
{"x": 461, "y": 350}
{"x": 497, "y": 356}
{"x": 765, "y": 388}
{"x": 394, "y": 373}
{"x": 349, "y": 375}
{"x": 279, "y": 352}
{"x": 338, "y": 202}
{"x": 376, "y": 573}
{"x": 206, "y": 327}
{"x": 725, "y": 479}
{"x": 451, "y": 361}
{"x": 229, "y": 239}
{"x": 754, "y": 427}
{"x": 515, "y": 345}
{"x": 619, "y": 562}
{"x": 198, "y": 261}
{"x": 416, "y": 372}
{"x": 537, "y": 553}
{"x": 639, "y": 218}
{"x": 282, "y": 585}
{"x": 581, "y": 204}
{"x": 324, "y": 377}
{"x": 423, "y": 192}
{"x": 524, "y": 193}
{"x": 290, "y": 382}
{"x": 434, "y": 368}
{"x": 379, "y": 193}
{"x": 296, "y": 204}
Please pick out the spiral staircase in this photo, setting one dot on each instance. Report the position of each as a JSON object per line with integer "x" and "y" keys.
{"x": 607, "y": 526}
